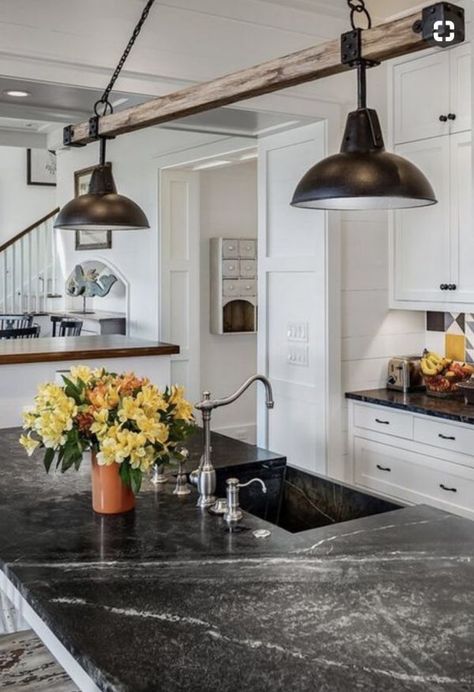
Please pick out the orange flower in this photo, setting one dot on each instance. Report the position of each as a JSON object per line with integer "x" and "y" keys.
{"x": 129, "y": 383}
{"x": 84, "y": 421}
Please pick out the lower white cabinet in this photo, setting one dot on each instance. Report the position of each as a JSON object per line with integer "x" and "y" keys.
{"x": 421, "y": 459}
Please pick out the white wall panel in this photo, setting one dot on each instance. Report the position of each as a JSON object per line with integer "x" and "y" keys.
{"x": 294, "y": 278}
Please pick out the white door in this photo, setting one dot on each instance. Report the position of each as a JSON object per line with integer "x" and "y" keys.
{"x": 461, "y": 219}
{"x": 293, "y": 331}
{"x": 460, "y": 85}
{"x": 179, "y": 208}
{"x": 422, "y": 236}
{"x": 421, "y": 96}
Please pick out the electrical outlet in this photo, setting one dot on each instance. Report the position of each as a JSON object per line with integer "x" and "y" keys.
{"x": 298, "y": 355}
{"x": 298, "y": 331}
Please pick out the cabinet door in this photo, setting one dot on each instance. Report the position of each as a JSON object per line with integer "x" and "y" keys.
{"x": 460, "y": 86}
{"x": 422, "y": 236}
{"x": 421, "y": 95}
{"x": 461, "y": 219}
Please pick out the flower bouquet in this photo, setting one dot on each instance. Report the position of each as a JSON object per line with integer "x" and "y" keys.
{"x": 125, "y": 421}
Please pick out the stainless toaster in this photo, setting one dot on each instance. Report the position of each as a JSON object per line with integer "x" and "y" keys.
{"x": 404, "y": 373}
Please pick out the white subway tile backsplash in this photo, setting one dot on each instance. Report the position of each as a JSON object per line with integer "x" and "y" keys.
{"x": 382, "y": 345}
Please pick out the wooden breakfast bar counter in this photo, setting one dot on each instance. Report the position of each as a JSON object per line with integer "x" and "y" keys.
{"x": 27, "y": 363}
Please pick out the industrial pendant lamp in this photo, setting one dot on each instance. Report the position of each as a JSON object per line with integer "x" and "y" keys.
{"x": 102, "y": 208}
{"x": 363, "y": 175}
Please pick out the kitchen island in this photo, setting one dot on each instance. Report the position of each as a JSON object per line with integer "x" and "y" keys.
{"x": 27, "y": 363}
{"x": 165, "y": 598}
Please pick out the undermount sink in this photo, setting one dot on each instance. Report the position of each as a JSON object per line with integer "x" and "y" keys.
{"x": 309, "y": 502}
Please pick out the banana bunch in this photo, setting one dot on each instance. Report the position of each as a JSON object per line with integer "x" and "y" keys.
{"x": 433, "y": 364}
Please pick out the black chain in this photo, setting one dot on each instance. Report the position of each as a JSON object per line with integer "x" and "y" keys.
{"x": 104, "y": 99}
{"x": 358, "y": 7}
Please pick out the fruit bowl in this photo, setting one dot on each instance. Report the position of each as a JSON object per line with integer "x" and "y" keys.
{"x": 443, "y": 375}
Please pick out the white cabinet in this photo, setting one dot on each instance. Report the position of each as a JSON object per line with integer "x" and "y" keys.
{"x": 421, "y": 459}
{"x": 432, "y": 95}
{"x": 432, "y": 248}
{"x": 422, "y": 236}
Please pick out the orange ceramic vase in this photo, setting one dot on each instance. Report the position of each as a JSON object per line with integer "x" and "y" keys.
{"x": 109, "y": 494}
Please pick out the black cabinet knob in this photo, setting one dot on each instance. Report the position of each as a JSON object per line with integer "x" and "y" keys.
{"x": 452, "y": 287}
{"x": 451, "y": 116}
{"x": 443, "y": 118}
{"x": 443, "y": 287}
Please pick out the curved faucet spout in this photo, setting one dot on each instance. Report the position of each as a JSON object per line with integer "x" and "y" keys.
{"x": 207, "y": 404}
{"x": 206, "y": 475}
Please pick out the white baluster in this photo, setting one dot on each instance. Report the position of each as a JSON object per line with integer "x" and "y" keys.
{"x": 37, "y": 269}
{"x": 22, "y": 273}
{"x": 30, "y": 271}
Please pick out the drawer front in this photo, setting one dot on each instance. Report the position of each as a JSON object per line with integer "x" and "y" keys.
{"x": 230, "y": 288}
{"x": 248, "y": 249}
{"x": 413, "y": 477}
{"x": 230, "y": 269}
{"x": 248, "y": 268}
{"x": 384, "y": 420}
{"x": 230, "y": 249}
{"x": 439, "y": 433}
{"x": 248, "y": 287}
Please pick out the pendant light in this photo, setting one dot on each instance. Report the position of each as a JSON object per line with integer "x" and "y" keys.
{"x": 102, "y": 208}
{"x": 363, "y": 175}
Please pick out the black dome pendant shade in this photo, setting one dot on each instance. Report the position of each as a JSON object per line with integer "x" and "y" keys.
{"x": 363, "y": 175}
{"x": 101, "y": 209}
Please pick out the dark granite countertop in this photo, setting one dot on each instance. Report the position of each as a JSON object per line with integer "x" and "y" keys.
{"x": 417, "y": 402}
{"x": 164, "y": 599}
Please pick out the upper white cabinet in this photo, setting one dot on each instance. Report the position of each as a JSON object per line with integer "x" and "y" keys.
{"x": 432, "y": 248}
{"x": 431, "y": 95}
{"x": 422, "y": 236}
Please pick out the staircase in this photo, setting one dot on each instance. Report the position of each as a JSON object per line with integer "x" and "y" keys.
{"x": 29, "y": 270}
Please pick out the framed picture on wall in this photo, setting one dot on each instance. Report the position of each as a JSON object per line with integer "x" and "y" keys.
{"x": 40, "y": 167}
{"x": 89, "y": 240}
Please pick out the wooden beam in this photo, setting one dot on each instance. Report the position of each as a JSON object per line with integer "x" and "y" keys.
{"x": 384, "y": 41}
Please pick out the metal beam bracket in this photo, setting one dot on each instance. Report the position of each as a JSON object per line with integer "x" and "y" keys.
{"x": 441, "y": 25}
{"x": 68, "y": 134}
{"x": 351, "y": 49}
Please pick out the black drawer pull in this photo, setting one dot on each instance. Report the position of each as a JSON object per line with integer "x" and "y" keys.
{"x": 382, "y": 422}
{"x": 451, "y": 116}
{"x": 443, "y": 118}
{"x": 383, "y": 468}
{"x": 449, "y": 490}
{"x": 446, "y": 437}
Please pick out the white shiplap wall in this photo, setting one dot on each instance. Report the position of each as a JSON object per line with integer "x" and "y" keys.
{"x": 371, "y": 333}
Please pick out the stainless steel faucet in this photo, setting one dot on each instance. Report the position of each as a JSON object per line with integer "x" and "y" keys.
{"x": 206, "y": 474}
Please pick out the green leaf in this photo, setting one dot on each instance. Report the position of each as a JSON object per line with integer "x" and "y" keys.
{"x": 48, "y": 459}
{"x": 124, "y": 473}
{"x": 136, "y": 480}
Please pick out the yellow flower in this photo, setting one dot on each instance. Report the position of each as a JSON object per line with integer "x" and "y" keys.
{"x": 29, "y": 444}
{"x": 151, "y": 399}
{"x": 130, "y": 409}
{"x": 183, "y": 410}
{"x": 153, "y": 429}
{"x": 81, "y": 372}
{"x": 101, "y": 423}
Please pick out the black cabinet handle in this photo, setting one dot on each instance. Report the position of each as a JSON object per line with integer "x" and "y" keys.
{"x": 449, "y": 490}
{"x": 382, "y": 422}
{"x": 446, "y": 437}
{"x": 452, "y": 287}
{"x": 443, "y": 287}
{"x": 383, "y": 468}
{"x": 451, "y": 116}
{"x": 443, "y": 118}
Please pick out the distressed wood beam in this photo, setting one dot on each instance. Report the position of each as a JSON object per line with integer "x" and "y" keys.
{"x": 384, "y": 41}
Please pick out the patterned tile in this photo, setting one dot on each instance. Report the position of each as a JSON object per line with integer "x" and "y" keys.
{"x": 469, "y": 331}
{"x": 435, "y": 321}
{"x": 454, "y": 322}
{"x": 455, "y": 346}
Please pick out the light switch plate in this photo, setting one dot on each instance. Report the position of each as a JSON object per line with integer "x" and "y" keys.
{"x": 298, "y": 331}
{"x": 298, "y": 355}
